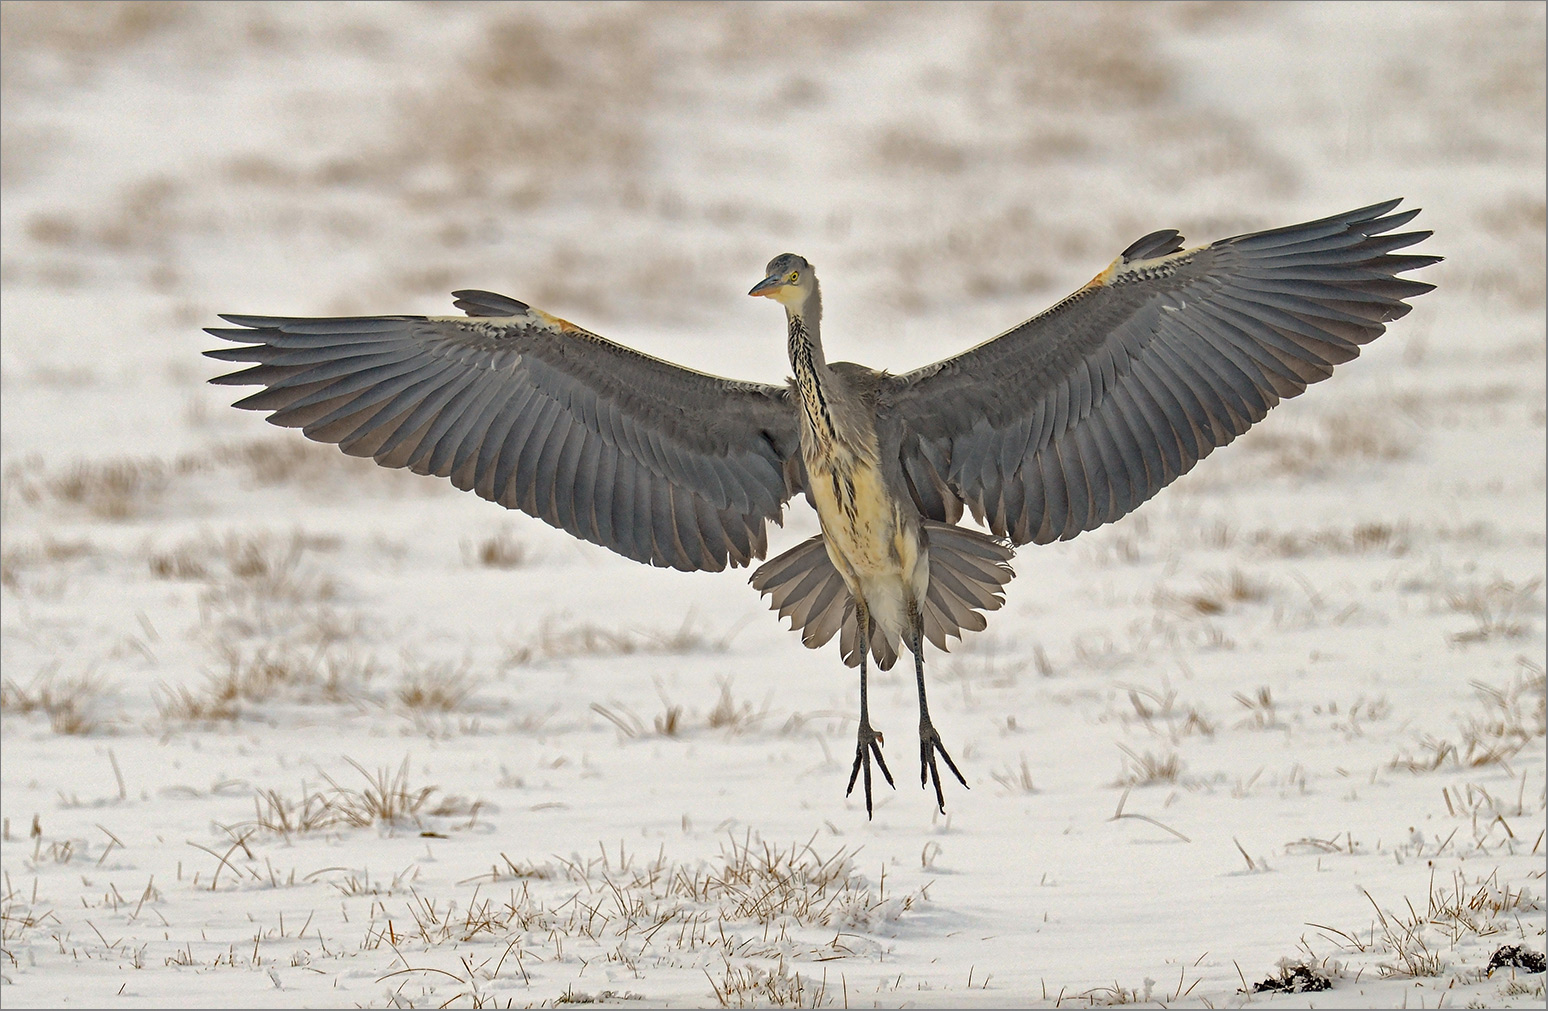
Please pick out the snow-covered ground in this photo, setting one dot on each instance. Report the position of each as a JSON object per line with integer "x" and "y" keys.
{"x": 282, "y": 728}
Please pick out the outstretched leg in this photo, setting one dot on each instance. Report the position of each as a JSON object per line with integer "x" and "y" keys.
{"x": 868, "y": 741}
{"x": 929, "y": 739}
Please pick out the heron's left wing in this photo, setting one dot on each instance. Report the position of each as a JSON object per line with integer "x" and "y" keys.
{"x": 660, "y": 463}
{"x": 1075, "y": 417}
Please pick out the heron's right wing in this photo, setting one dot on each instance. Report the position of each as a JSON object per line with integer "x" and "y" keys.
{"x": 660, "y": 463}
{"x": 1077, "y": 416}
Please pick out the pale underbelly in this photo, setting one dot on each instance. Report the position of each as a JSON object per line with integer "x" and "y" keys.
{"x": 876, "y": 550}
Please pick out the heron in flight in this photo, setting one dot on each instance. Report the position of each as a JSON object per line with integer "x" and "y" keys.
{"x": 1057, "y": 426}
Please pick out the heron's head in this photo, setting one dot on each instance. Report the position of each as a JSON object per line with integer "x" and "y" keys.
{"x": 790, "y": 281}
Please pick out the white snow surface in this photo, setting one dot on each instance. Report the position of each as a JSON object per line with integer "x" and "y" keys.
{"x": 1289, "y": 712}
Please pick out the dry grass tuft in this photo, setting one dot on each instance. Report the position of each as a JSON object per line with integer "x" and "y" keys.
{"x": 1016, "y": 780}
{"x": 1523, "y": 988}
{"x": 182, "y": 563}
{"x": 1218, "y": 593}
{"x": 1116, "y": 995}
{"x": 1403, "y": 941}
{"x": 1479, "y": 907}
{"x": 1499, "y": 608}
{"x": 262, "y": 563}
{"x": 109, "y": 489}
{"x": 1160, "y": 713}
{"x": 1149, "y": 769}
{"x": 436, "y": 687}
{"x": 667, "y": 723}
{"x": 727, "y": 714}
{"x": 730, "y": 715}
{"x": 574, "y": 996}
{"x": 386, "y": 799}
{"x": 1514, "y": 716}
{"x": 264, "y": 673}
{"x": 670, "y": 722}
{"x": 1330, "y": 443}
{"x": 501, "y": 551}
{"x": 268, "y": 672}
{"x": 1475, "y": 802}
{"x": 68, "y": 701}
{"x": 17, "y": 560}
{"x": 19, "y": 917}
{"x": 750, "y": 985}
{"x": 179, "y": 704}
{"x": 1262, "y": 710}
{"x": 249, "y": 573}
{"x": 525, "y": 870}
{"x": 269, "y": 462}
{"x": 556, "y": 642}
{"x": 1365, "y": 538}
{"x": 1399, "y": 942}
{"x": 276, "y": 813}
{"x": 261, "y": 584}
{"x": 294, "y": 461}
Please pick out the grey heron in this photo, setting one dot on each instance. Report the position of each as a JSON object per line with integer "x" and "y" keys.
{"x": 1059, "y": 425}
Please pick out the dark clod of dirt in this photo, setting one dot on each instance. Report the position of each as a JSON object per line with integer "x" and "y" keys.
{"x": 1294, "y": 979}
{"x": 1515, "y": 956}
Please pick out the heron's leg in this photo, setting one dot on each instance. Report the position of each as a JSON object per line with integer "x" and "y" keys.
{"x": 929, "y": 739}
{"x": 868, "y": 742}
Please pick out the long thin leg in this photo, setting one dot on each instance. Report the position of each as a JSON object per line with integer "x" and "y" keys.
{"x": 868, "y": 742}
{"x": 929, "y": 739}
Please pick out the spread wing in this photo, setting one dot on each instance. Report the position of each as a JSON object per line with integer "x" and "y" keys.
{"x": 659, "y": 463}
{"x": 1077, "y": 416}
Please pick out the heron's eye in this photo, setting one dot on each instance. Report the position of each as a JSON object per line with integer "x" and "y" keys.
{"x": 795, "y": 275}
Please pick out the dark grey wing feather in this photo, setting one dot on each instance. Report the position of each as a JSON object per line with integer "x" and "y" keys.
{"x": 659, "y": 463}
{"x": 1079, "y": 415}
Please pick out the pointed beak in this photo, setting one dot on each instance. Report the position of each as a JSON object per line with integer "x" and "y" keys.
{"x": 768, "y": 286}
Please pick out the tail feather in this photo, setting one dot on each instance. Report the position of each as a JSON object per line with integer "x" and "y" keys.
{"x": 883, "y": 647}
{"x": 968, "y": 573}
{"x": 827, "y": 612}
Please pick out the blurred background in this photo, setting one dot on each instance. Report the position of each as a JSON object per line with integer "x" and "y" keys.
{"x": 1315, "y": 634}
{"x": 950, "y": 168}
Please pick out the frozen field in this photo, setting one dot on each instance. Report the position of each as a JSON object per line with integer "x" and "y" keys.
{"x": 281, "y": 728}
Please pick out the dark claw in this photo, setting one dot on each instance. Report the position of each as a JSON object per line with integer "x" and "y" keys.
{"x": 868, "y": 742}
{"x": 929, "y": 744}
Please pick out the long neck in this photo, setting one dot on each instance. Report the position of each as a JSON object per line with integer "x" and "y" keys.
{"x": 811, "y": 368}
{"x": 804, "y": 322}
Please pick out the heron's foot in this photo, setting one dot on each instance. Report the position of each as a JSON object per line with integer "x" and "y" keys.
{"x": 868, "y": 743}
{"x": 929, "y": 744}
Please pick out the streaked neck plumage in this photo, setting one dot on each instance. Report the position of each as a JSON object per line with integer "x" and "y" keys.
{"x": 804, "y": 320}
